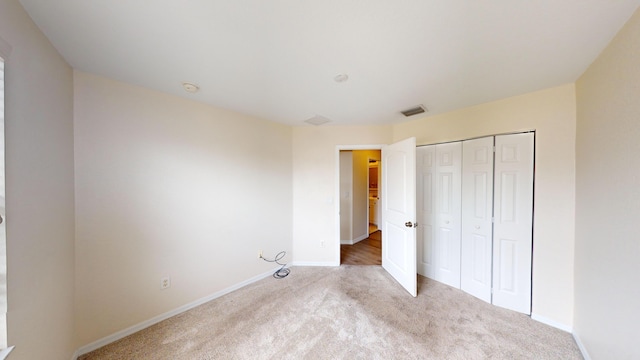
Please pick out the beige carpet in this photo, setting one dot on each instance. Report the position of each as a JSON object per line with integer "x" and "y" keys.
{"x": 347, "y": 312}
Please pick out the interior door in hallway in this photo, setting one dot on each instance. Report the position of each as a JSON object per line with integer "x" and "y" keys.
{"x": 399, "y": 212}
{"x": 513, "y": 225}
{"x": 477, "y": 211}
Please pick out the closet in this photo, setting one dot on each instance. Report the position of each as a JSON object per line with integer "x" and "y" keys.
{"x": 475, "y": 204}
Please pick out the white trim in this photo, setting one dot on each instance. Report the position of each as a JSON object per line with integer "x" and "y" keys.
{"x": 583, "y": 349}
{"x": 145, "y": 324}
{"x": 354, "y": 241}
{"x": 316, "y": 263}
{"x": 550, "y": 322}
{"x": 360, "y": 238}
{"x": 5, "y": 352}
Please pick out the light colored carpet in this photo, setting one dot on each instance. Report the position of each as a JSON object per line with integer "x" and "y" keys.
{"x": 347, "y": 312}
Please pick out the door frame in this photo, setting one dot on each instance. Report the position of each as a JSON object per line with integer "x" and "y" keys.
{"x": 378, "y": 171}
{"x": 337, "y": 191}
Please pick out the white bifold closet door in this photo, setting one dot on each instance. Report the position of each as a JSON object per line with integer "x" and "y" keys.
{"x": 513, "y": 224}
{"x": 425, "y": 206}
{"x": 439, "y": 203}
{"x": 477, "y": 211}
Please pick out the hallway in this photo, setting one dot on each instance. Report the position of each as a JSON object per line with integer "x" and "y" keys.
{"x": 365, "y": 252}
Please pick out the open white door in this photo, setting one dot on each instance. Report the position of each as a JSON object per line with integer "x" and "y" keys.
{"x": 399, "y": 212}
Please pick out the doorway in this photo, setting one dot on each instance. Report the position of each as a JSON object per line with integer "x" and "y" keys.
{"x": 360, "y": 236}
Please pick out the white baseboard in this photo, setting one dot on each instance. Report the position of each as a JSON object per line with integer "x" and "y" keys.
{"x": 145, "y": 324}
{"x": 315, "y": 263}
{"x": 354, "y": 241}
{"x": 553, "y": 323}
{"x": 583, "y": 349}
{"x": 358, "y": 239}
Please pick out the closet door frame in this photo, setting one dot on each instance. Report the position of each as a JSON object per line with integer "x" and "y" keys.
{"x": 517, "y": 287}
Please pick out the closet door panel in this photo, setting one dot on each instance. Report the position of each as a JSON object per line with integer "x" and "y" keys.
{"x": 425, "y": 185}
{"x": 448, "y": 208}
{"x": 513, "y": 226}
{"x": 477, "y": 210}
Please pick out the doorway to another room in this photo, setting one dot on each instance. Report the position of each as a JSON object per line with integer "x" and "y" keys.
{"x": 360, "y": 210}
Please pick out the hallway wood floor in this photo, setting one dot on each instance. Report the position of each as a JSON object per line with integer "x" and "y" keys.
{"x": 365, "y": 252}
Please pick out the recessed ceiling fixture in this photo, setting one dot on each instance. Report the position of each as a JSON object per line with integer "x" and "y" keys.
{"x": 189, "y": 87}
{"x": 317, "y": 120}
{"x": 341, "y": 78}
{"x": 414, "y": 111}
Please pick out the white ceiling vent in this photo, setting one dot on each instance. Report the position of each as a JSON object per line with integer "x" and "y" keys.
{"x": 414, "y": 111}
{"x": 317, "y": 120}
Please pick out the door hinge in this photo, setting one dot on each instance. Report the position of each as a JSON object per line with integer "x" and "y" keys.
{"x": 494, "y": 148}
{"x": 493, "y": 220}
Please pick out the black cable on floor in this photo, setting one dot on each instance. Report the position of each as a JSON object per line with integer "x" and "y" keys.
{"x": 282, "y": 272}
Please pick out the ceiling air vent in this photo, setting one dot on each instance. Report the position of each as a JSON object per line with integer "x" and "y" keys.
{"x": 414, "y": 111}
{"x": 317, "y": 120}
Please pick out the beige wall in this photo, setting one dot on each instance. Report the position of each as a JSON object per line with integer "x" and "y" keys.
{"x": 608, "y": 200}
{"x": 39, "y": 190}
{"x": 346, "y": 196}
{"x": 170, "y": 187}
{"x": 315, "y": 175}
{"x": 551, "y": 113}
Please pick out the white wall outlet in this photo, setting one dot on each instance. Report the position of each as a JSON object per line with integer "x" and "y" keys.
{"x": 165, "y": 283}
{"x": 322, "y": 243}
{"x": 260, "y": 254}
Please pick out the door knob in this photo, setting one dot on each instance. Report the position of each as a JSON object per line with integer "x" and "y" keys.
{"x": 408, "y": 224}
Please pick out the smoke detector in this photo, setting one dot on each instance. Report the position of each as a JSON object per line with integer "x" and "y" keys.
{"x": 190, "y": 87}
{"x": 341, "y": 78}
{"x": 317, "y": 120}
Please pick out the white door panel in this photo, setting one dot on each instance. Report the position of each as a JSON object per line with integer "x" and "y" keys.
{"x": 477, "y": 210}
{"x": 398, "y": 209}
{"x": 425, "y": 189}
{"x": 513, "y": 211}
{"x": 448, "y": 208}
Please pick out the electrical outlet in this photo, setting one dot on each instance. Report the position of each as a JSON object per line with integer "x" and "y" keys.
{"x": 322, "y": 243}
{"x": 260, "y": 255}
{"x": 165, "y": 283}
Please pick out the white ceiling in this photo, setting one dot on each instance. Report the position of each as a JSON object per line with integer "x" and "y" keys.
{"x": 277, "y": 59}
